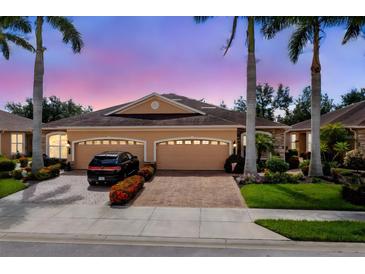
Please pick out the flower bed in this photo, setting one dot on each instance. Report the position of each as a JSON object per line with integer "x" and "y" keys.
{"x": 147, "y": 172}
{"x": 126, "y": 190}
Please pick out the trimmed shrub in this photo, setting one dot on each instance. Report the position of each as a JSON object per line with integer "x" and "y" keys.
{"x": 234, "y": 164}
{"x": 293, "y": 162}
{"x": 354, "y": 194}
{"x": 146, "y": 172}
{"x": 327, "y": 166}
{"x": 7, "y": 165}
{"x": 47, "y": 172}
{"x": 355, "y": 159}
{"x": 5, "y": 174}
{"x": 124, "y": 191}
{"x": 282, "y": 178}
{"x": 304, "y": 166}
{"x": 23, "y": 161}
{"x": 275, "y": 164}
{"x": 306, "y": 155}
{"x": 17, "y": 174}
{"x": 54, "y": 161}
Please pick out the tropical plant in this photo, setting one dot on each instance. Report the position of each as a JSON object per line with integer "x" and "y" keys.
{"x": 250, "y": 157}
{"x": 340, "y": 148}
{"x": 306, "y": 30}
{"x": 264, "y": 143}
{"x": 12, "y": 29}
{"x": 69, "y": 35}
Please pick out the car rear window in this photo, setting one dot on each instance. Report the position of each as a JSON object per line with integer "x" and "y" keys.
{"x": 104, "y": 161}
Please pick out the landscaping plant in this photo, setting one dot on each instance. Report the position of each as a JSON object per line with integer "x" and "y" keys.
{"x": 7, "y": 165}
{"x": 147, "y": 172}
{"x": 23, "y": 161}
{"x": 125, "y": 190}
{"x": 276, "y": 164}
{"x": 304, "y": 166}
{"x": 355, "y": 159}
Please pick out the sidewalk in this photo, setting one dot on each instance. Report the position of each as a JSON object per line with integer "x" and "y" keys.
{"x": 152, "y": 222}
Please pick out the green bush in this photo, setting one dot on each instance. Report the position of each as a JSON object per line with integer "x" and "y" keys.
{"x": 48, "y": 172}
{"x": 276, "y": 164}
{"x": 304, "y": 166}
{"x": 355, "y": 159}
{"x": 7, "y": 165}
{"x": 293, "y": 162}
{"x": 282, "y": 178}
{"x": 5, "y": 174}
{"x": 234, "y": 158}
{"x": 17, "y": 174}
{"x": 354, "y": 194}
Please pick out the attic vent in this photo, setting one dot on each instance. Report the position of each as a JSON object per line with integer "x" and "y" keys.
{"x": 208, "y": 107}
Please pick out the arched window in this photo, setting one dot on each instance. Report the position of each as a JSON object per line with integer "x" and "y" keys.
{"x": 57, "y": 146}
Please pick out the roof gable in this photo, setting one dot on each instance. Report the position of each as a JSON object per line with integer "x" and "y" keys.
{"x": 155, "y": 104}
{"x": 13, "y": 122}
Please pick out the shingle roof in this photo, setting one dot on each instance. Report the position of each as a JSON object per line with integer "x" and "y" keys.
{"x": 350, "y": 116}
{"x": 214, "y": 116}
{"x": 12, "y": 122}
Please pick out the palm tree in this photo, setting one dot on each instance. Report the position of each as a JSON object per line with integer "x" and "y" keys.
{"x": 11, "y": 28}
{"x": 250, "y": 157}
{"x": 264, "y": 143}
{"x": 306, "y": 30}
{"x": 70, "y": 35}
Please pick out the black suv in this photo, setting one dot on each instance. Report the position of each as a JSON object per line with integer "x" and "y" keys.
{"x": 110, "y": 167}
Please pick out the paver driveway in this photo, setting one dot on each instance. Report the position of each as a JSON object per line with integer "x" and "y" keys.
{"x": 69, "y": 188}
{"x": 191, "y": 189}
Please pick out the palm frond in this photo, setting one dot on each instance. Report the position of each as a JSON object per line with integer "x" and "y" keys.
{"x": 15, "y": 23}
{"x": 19, "y": 41}
{"x": 271, "y": 25}
{"x": 68, "y": 30}
{"x": 201, "y": 19}
{"x": 298, "y": 40}
{"x": 4, "y": 47}
{"x": 353, "y": 28}
{"x": 233, "y": 34}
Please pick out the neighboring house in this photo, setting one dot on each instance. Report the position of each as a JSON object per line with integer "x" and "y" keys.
{"x": 15, "y": 134}
{"x": 351, "y": 117}
{"x": 176, "y": 132}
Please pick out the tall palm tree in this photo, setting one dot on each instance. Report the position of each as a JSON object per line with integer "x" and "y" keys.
{"x": 70, "y": 35}
{"x": 306, "y": 30}
{"x": 11, "y": 30}
{"x": 250, "y": 157}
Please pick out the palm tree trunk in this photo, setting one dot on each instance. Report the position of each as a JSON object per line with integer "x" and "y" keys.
{"x": 250, "y": 157}
{"x": 37, "y": 159}
{"x": 315, "y": 167}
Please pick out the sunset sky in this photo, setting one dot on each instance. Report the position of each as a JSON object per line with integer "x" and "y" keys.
{"x": 126, "y": 58}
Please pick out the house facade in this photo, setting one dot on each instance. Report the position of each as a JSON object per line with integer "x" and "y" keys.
{"x": 175, "y": 132}
{"x": 15, "y": 135}
{"x": 351, "y": 117}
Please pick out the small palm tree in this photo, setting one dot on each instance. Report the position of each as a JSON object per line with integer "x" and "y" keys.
{"x": 306, "y": 30}
{"x": 250, "y": 157}
{"x": 11, "y": 30}
{"x": 70, "y": 35}
{"x": 264, "y": 143}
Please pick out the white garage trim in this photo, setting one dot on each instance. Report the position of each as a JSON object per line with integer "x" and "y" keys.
{"x": 109, "y": 138}
{"x": 187, "y": 138}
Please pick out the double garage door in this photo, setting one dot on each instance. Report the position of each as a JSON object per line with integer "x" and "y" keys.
{"x": 182, "y": 154}
{"x": 85, "y": 151}
{"x": 191, "y": 154}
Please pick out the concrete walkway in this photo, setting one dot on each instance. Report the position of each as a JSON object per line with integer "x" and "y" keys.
{"x": 196, "y": 223}
{"x": 158, "y": 222}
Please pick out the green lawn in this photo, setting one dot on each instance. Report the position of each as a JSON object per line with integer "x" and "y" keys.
{"x": 9, "y": 186}
{"x": 296, "y": 196}
{"x": 326, "y": 231}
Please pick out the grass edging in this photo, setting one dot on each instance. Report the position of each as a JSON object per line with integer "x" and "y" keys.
{"x": 10, "y": 186}
{"x": 321, "y": 231}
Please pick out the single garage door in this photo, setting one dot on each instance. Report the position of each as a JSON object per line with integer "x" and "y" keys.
{"x": 192, "y": 154}
{"x": 85, "y": 151}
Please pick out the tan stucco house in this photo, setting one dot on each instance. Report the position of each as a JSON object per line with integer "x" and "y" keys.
{"x": 173, "y": 131}
{"x": 351, "y": 117}
{"x": 15, "y": 134}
